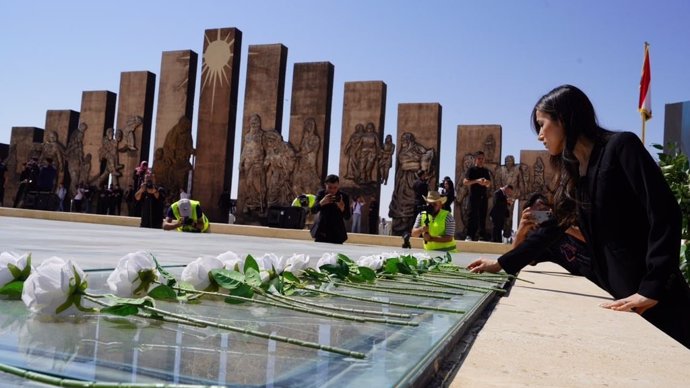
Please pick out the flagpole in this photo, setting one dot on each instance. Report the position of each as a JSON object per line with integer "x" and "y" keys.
{"x": 645, "y": 104}
{"x": 644, "y": 121}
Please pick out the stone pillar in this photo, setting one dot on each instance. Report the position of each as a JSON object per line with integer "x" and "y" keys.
{"x": 173, "y": 140}
{"x": 470, "y": 139}
{"x": 310, "y": 123}
{"x": 419, "y": 142}
{"x": 25, "y": 143}
{"x": 364, "y": 117}
{"x": 134, "y": 116}
{"x": 217, "y": 115}
{"x": 97, "y": 115}
{"x": 267, "y": 160}
{"x": 59, "y": 126}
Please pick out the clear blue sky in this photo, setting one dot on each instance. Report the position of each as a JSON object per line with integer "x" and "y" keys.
{"x": 485, "y": 62}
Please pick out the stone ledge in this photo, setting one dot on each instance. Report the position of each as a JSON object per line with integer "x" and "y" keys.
{"x": 250, "y": 230}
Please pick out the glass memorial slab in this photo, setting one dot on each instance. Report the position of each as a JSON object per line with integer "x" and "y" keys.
{"x": 106, "y": 348}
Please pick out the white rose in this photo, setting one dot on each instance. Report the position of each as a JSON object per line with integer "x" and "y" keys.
{"x": 373, "y": 262}
{"x": 197, "y": 273}
{"x": 52, "y": 285}
{"x": 278, "y": 263}
{"x": 327, "y": 258}
{"x": 389, "y": 255}
{"x": 133, "y": 275}
{"x": 7, "y": 258}
{"x": 297, "y": 263}
{"x": 265, "y": 262}
{"x": 231, "y": 260}
{"x": 422, "y": 258}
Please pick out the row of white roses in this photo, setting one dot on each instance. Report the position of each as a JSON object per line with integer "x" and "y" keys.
{"x": 50, "y": 285}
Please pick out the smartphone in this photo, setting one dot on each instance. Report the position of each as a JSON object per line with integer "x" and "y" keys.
{"x": 540, "y": 216}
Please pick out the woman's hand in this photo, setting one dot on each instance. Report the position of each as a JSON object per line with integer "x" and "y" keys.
{"x": 634, "y": 302}
{"x": 484, "y": 265}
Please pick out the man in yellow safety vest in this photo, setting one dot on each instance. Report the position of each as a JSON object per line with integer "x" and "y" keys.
{"x": 435, "y": 225}
{"x": 186, "y": 215}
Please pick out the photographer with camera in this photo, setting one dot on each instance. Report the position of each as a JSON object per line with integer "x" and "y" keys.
{"x": 186, "y": 215}
{"x": 333, "y": 207}
{"x": 435, "y": 225}
{"x": 150, "y": 200}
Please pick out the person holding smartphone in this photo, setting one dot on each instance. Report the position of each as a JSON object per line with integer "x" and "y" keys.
{"x": 609, "y": 184}
{"x": 333, "y": 207}
{"x": 539, "y": 238}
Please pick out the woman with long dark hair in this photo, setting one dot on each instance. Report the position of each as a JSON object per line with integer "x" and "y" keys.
{"x": 610, "y": 186}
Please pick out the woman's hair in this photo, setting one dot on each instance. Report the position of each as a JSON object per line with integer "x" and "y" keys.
{"x": 571, "y": 108}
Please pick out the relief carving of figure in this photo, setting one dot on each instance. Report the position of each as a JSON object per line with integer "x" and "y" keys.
{"x": 108, "y": 152}
{"x": 74, "y": 155}
{"x": 386, "y": 159}
{"x": 462, "y": 197}
{"x": 352, "y": 152}
{"x": 251, "y": 166}
{"x": 509, "y": 174}
{"x": 538, "y": 181}
{"x": 412, "y": 157}
{"x": 279, "y": 163}
{"x": 53, "y": 149}
{"x": 490, "y": 149}
{"x": 306, "y": 177}
{"x": 368, "y": 154}
{"x": 174, "y": 156}
{"x": 133, "y": 122}
{"x": 525, "y": 182}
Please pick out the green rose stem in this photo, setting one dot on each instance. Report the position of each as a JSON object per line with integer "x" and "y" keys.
{"x": 272, "y": 304}
{"x": 357, "y": 311}
{"x": 415, "y": 306}
{"x": 460, "y": 270}
{"x": 292, "y": 306}
{"x": 69, "y": 383}
{"x": 376, "y": 320}
{"x": 147, "y": 316}
{"x": 391, "y": 290}
{"x": 254, "y": 333}
{"x": 456, "y": 275}
{"x": 435, "y": 289}
{"x": 446, "y": 284}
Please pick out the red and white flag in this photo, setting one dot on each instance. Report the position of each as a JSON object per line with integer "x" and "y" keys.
{"x": 645, "y": 106}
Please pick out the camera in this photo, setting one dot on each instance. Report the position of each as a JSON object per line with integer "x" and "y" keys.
{"x": 149, "y": 185}
{"x": 187, "y": 221}
{"x": 337, "y": 197}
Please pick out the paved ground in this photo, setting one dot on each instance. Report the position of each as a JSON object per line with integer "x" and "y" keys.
{"x": 553, "y": 334}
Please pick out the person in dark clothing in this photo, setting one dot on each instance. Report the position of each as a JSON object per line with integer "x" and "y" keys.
{"x": 47, "y": 175}
{"x": 373, "y": 215}
{"x": 115, "y": 200}
{"x": 27, "y": 179}
{"x": 151, "y": 202}
{"x": 421, "y": 188}
{"x": 447, "y": 189}
{"x": 333, "y": 207}
{"x": 478, "y": 178}
{"x": 499, "y": 212}
{"x": 612, "y": 188}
